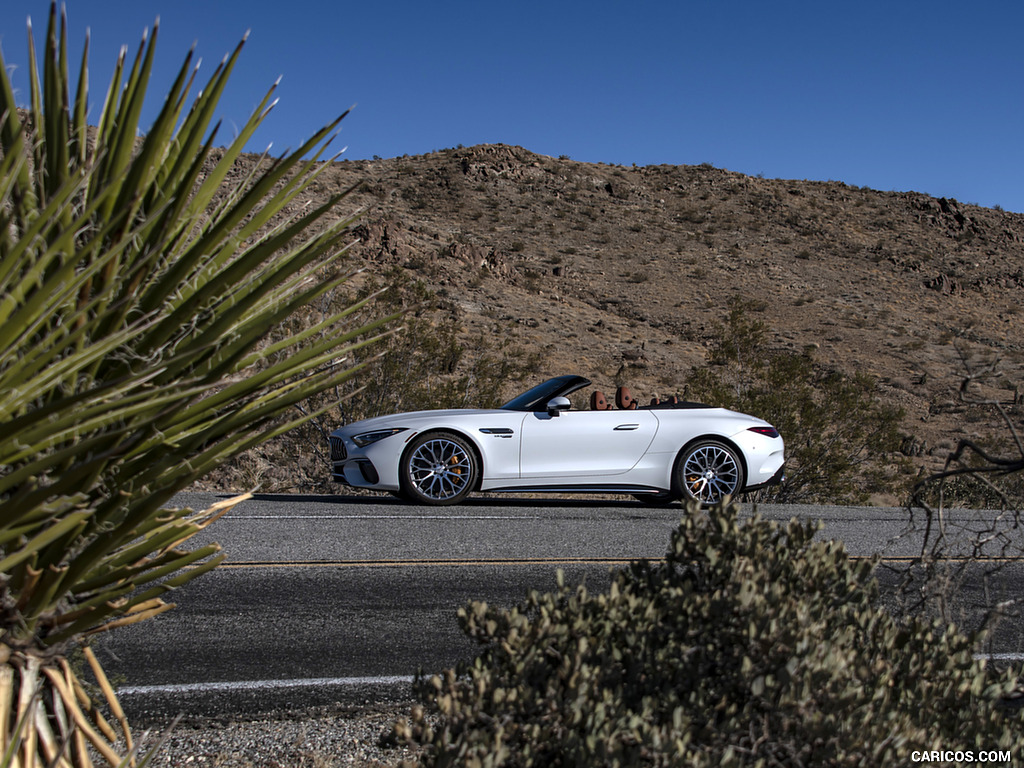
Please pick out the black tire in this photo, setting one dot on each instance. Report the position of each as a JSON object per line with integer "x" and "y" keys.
{"x": 708, "y": 471}
{"x": 439, "y": 468}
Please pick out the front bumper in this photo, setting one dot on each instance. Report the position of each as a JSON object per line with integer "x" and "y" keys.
{"x": 356, "y": 473}
{"x": 373, "y": 467}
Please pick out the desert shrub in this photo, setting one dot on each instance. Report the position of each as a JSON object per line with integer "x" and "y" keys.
{"x": 965, "y": 522}
{"x": 750, "y": 644}
{"x": 978, "y": 474}
{"x": 842, "y": 443}
{"x": 986, "y": 472}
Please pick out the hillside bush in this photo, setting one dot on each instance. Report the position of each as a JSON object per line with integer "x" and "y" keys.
{"x": 428, "y": 363}
{"x": 842, "y": 442}
{"x": 750, "y": 644}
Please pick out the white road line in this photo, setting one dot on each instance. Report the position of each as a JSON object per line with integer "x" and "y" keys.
{"x": 342, "y": 682}
{"x": 1000, "y": 656}
{"x": 256, "y": 685}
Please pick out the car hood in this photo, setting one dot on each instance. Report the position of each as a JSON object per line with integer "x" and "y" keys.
{"x": 414, "y": 419}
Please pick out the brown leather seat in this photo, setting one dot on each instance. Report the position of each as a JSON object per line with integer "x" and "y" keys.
{"x": 624, "y": 399}
{"x": 598, "y": 402}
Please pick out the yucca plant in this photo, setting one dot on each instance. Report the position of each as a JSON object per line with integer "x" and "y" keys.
{"x": 137, "y": 287}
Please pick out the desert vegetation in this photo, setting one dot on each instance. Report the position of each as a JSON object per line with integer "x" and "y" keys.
{"x": 138, "y": 280}
{"x": 750, "y": 644}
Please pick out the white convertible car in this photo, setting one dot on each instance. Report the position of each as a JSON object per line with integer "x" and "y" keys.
{"x": 659, "y": 452}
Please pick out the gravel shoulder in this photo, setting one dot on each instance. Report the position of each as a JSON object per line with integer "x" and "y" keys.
{"x": 354, "y": 737}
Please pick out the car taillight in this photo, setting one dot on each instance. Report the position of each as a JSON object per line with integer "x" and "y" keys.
{"x": 766, "y": 431}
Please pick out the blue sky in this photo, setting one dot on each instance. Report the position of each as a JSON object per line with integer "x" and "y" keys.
{"x": 892, "y": 94}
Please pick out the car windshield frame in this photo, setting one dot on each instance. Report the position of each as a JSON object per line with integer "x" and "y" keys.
{"x": 537, "y": 398}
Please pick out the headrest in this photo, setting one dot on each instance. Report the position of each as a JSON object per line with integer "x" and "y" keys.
{"x": 598, "y": 402}
{"x": 624, "y": 398}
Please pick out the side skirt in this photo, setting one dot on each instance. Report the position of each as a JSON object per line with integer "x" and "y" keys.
{"x": 588, "y": 488}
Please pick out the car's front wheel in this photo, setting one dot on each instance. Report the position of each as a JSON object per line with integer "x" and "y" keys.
{"x": 439, "y": 468}
{"x": 708, "y": 471}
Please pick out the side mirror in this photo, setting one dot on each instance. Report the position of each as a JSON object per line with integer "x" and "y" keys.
{"x": 558, "y": 404}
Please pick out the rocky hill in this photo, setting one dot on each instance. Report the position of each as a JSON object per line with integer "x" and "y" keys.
{"x": 620, "y": 273}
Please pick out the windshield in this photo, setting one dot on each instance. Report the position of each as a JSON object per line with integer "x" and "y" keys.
{"x": 536, "y": 398}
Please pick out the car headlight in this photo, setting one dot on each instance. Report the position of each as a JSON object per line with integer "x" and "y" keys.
{"x": 367, "y": 438}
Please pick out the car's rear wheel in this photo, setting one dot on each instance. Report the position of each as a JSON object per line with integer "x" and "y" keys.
{"x": 439, "y": 468}
{"x": 708, "y": 471}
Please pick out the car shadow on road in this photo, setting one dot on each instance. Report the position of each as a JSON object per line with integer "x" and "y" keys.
{"x": 475, "y": 501}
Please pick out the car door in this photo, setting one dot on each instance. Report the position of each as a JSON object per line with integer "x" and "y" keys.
{"x": 577, "y": 444}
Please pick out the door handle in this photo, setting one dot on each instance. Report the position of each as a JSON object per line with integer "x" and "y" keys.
{"x": 626, "y": 427}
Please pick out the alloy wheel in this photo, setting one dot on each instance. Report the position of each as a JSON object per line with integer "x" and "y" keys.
{"x": 710, "y": 472}
{"x": 440, "y": 470}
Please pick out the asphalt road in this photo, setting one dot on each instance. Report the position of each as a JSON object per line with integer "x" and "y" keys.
{"x": 336, "y": 598}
